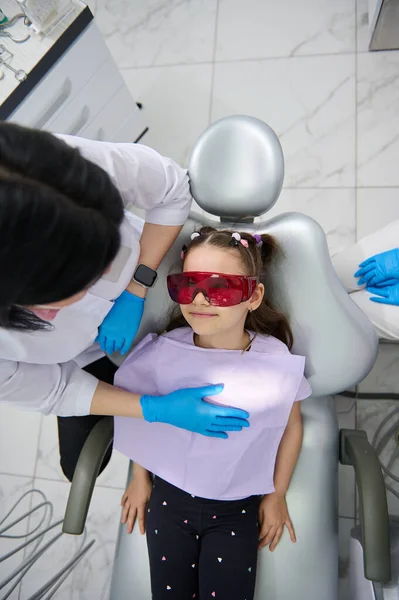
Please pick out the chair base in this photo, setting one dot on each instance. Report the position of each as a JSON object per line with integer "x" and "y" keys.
{"x": 312, "y": 501}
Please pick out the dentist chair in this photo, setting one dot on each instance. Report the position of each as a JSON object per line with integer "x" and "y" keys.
{"x": 236, "y": 172}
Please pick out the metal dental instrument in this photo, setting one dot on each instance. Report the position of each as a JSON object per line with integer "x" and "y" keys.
{"x": 9, "y": 24}
{"x": 19, "y": 74}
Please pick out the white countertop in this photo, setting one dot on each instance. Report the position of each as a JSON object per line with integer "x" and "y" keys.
{"x": 28, "y": 54}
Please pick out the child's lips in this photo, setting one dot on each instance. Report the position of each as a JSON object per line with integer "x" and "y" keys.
{"x": 203, "y": 315}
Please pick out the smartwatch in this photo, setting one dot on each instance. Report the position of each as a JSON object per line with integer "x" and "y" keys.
{"x": 145, "y": 276}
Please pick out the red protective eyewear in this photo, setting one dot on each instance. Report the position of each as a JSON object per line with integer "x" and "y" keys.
{"x": 218, "y": 288}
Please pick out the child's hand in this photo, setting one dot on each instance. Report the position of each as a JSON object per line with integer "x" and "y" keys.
{"x": 273, "y": 515}
{"x": 134, "y": 502}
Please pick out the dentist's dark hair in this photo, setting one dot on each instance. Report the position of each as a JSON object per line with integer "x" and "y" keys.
{"x": 59, "y": 223}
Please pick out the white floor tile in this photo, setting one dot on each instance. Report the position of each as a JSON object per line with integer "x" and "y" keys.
{"x": 255, "y": 29}
{"x": 310, "y": 104}
{"x": 19, "y": 438}
{"x": 346, "y": 411}
{"x": 334, "y": 210}
{"x": 48, "y": 462}
{"x": 176, "y": 102}
{"x": 91, "y": 577}
{"x": 12, "y": 488}
{"x": 384, "y": 376}
{"x": 59, "y": 553}
{"x": 378, "y": 123}
{"x": 157, "y": 32}
{"x": 376, "y": 208}
{"x": 48, "y": 458}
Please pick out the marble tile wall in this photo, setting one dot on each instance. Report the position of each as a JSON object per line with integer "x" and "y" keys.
{"x": 304, "y": 68}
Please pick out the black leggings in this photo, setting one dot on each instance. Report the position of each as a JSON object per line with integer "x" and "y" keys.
{"x": 201, "y": 548}
{"x": 73, "y": 431}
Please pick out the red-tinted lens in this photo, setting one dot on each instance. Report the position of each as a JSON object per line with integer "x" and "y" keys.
{"x": 218, "y": 288}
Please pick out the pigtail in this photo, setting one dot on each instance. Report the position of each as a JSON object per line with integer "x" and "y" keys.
{"x": 268, "y": 249}
{"x": 268, "y": 319}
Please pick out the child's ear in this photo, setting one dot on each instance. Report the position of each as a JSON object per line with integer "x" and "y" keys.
{"x": 257, "y": 297}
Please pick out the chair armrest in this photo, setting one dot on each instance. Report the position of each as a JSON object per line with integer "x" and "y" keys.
{"x": 85, "y": 475}
{"x": 356, "y": 450}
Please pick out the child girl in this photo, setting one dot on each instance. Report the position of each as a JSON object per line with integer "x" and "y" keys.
{"x": 213, "y": 501}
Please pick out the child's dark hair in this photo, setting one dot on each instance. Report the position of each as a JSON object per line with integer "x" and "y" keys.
{"x": 255, "y": 258}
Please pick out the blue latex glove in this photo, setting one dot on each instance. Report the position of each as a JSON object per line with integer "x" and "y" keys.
{"x": 385, "y": 295}
{"x": 186, "y": 409}
{"x": 379, "y": 268}
{"x": 121, "y": 324}
{"x": 386, "y": 283}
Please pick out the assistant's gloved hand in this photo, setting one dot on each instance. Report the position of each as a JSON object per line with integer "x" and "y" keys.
{"x": 121, "y": 324}
{"x": 379, "y": 268}
{"x": 385, "y": 295}
{"x": 186, "y": 409}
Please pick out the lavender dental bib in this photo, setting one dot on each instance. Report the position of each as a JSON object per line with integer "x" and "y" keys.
{"x": 265, "y": 381}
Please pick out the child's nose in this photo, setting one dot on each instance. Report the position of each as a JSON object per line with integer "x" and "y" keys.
{"x": 199, "y": 298}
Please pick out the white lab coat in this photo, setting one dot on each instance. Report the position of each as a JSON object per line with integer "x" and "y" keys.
{"x": 41, "y": 370}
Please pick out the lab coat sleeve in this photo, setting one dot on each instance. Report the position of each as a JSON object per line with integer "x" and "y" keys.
{"x": 62, "y": 389}
{"x": 144, "y": 178}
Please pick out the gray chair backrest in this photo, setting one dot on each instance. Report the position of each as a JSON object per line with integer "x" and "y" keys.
{"x": 236, "y": 172}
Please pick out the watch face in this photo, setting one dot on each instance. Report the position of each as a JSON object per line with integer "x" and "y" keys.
{"x": 145, "y": 275}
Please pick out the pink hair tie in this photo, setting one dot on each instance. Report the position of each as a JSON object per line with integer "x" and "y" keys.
{"x": 236, "y": 239}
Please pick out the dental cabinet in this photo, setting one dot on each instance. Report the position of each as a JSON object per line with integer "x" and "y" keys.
{"x": 72, "y": 84}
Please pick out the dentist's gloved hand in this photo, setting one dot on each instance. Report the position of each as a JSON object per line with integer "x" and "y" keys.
{"x": 186, "y": 409}
{"x": 119, "y": 328}
{"x": 379, "y": 268}
{"x": 385, "y": 295}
